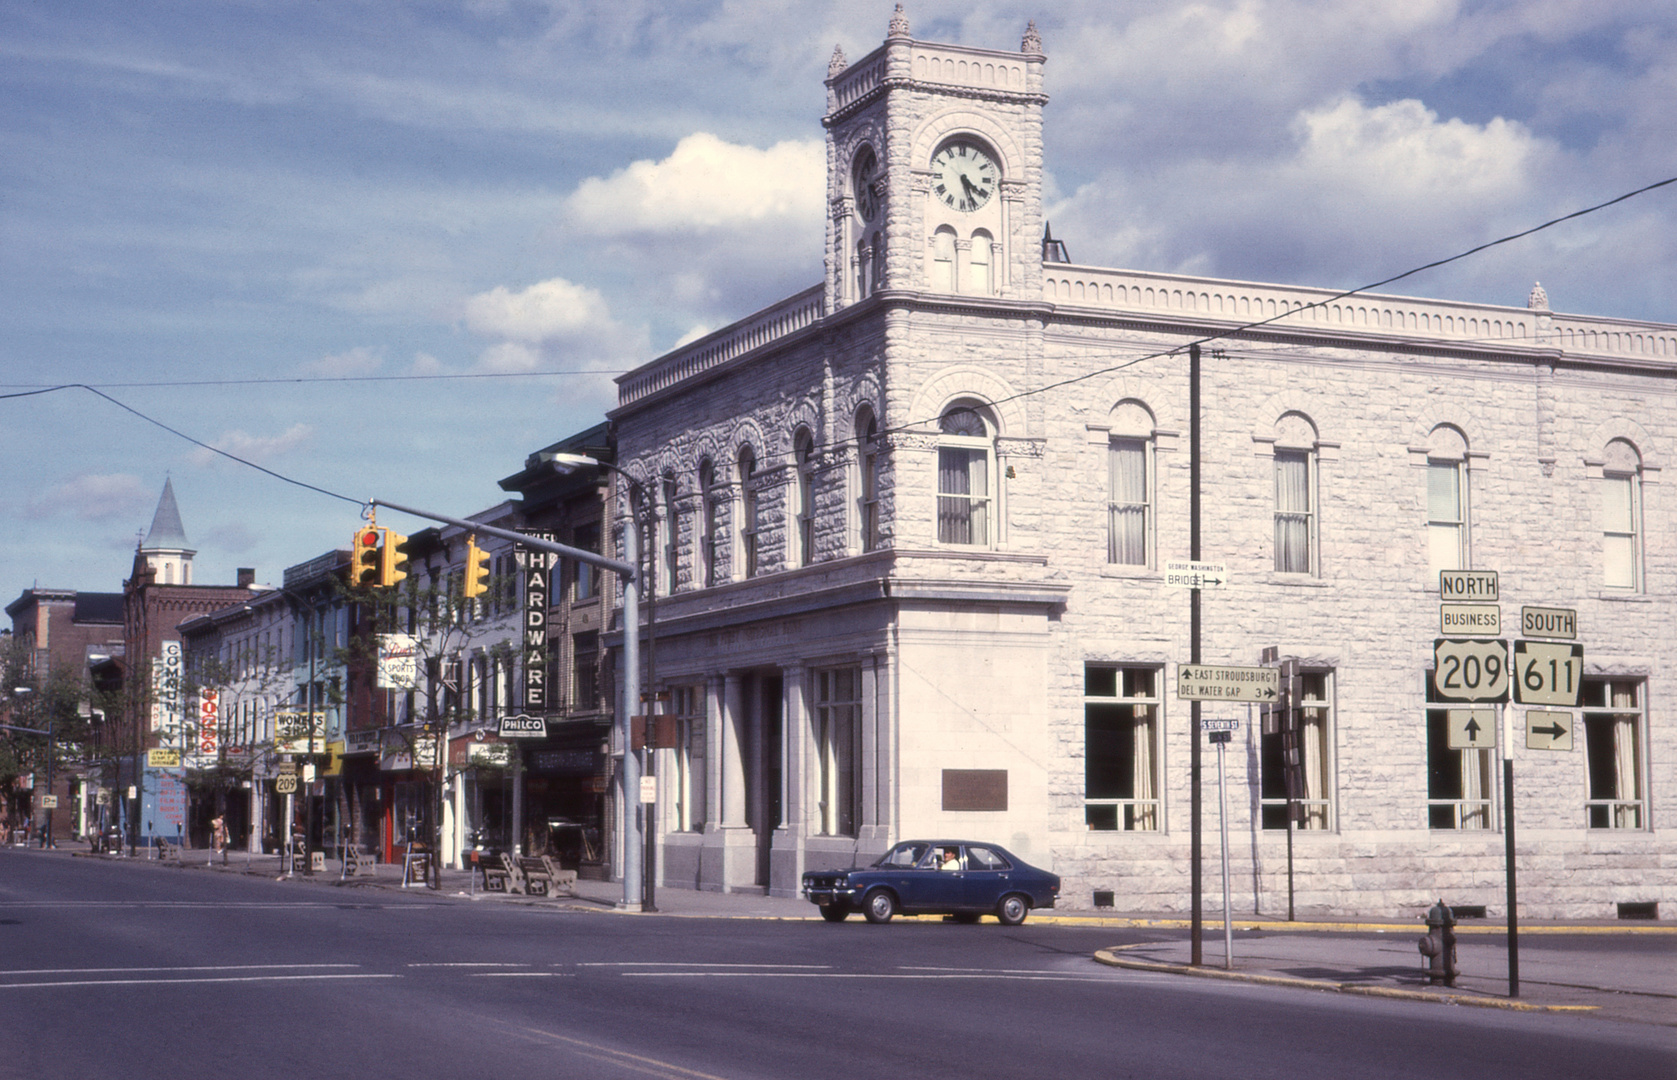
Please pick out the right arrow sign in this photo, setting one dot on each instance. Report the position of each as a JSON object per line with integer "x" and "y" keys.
{"x": 1548, "y": 730}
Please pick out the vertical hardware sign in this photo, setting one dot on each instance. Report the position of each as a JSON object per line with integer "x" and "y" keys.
{"x": 538, "y": 576}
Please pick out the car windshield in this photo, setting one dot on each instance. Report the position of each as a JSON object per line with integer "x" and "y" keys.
{"x": 905, "y": 854}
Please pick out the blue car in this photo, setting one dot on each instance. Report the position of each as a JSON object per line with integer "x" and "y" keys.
{"x": 962, "y": 878}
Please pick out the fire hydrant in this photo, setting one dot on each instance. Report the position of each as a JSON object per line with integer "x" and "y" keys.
{"x": 1438, "y": 945}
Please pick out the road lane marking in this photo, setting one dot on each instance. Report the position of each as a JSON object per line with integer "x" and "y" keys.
{"x": 206, "y": 967}
{"x": 521, "y": 975}
{"x": 183, "y": 982}
{"x": 677, "y": 964}
{"x": 623, "y": 1058}
{"x": 466, "y": 964}
{"x": 1037, "y": 977}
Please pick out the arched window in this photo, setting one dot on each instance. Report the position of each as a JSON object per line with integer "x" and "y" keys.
{"x": 708, "y": 510}
{"x": 748, "y": 512}
{"x": 864, "y": 269}
{"x": 943, "y": 260}
{"x": 867, "y": 479}
{"x": 803, "y": 453}
{"x": 1621, "y": 516}
{"x": 983, "y": 281}
{"x": 1296, "y": 521}
{"x": 966, "y": 471}
{"x": 1129, "y": 486}
{"x": 671, "y": 531}
{"x": 878, "y": 277}
{"x": 1447, "y": 522}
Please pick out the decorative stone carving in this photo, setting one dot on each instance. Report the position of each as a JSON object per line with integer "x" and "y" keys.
{"x": 1032, "y": 42}
{"x": 838, "y": 63}
{"x": 899, "y": 23}
{"x": 1537, "y": 299}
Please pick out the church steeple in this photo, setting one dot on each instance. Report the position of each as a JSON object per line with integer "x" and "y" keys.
{"x": 165, "y": 547}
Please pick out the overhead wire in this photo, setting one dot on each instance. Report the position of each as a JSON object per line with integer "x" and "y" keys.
{"x": 1043, "y": 389}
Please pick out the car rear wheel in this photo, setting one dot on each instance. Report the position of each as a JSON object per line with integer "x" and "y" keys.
{"x": 879, "y": 906}
{"x": 835, "y": 912}
{"x": 1013, "y": 909}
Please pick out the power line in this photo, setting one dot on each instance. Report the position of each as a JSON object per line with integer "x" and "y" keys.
{"x": 45, "y": 388}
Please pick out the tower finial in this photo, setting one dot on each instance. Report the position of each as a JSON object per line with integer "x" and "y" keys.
{"x": 1537, "y": 299}
{"x": 1032, "y": 41}
{"x": 838, "y": 63}
{"x": 899, "y": 23}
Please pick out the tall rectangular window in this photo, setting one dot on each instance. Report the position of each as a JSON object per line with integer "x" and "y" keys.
{"x": 1129, "y": 503}
{"x": 1296, "y": 757}
{"x": 1459, "y": 792}
{"x": 868, "y": 451}
{"x": 1613, "y": 731}
{"x": 670, "y": 523}
{"x": 748, "y": 512}
{"x": 586, "y": 537}
{"x": 1121, "y": 748}
{"x": 1621, "y": 539}
{"x": 1295, "y": 518}
{"x": 838, "y": 737}
{"x": 687, "y": 702}
{"x": 585, "y": 659}
{"x": 1446, "y": 518}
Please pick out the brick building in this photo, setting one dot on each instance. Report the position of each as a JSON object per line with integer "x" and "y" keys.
{"x": 913, "y": 523}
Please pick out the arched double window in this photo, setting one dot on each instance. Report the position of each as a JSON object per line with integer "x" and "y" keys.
{"x": 966, "y": 476}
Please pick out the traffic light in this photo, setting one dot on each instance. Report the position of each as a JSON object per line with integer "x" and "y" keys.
{"x": 364, "y": 557}
{"x": 393, "y": 565}
{"x": 477, "y": 569}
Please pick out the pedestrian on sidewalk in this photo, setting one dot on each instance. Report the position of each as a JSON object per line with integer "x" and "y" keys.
{"x": 218, "y": 836}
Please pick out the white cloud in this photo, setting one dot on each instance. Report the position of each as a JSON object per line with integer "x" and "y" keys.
{"x": 1402, "y": 152}
{"x": 545, "y": 311}
{"x": 705, "y": 184}
{"x": 255, "y": 448}
{"x": 95, "y": 497}
{"x": 360, "y": 360}
{"x": 509, "y": 356}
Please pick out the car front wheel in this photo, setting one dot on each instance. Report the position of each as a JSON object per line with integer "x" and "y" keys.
{"x": 834, "y": 912}
{"x": 1013, "y": 909}
{"x": 879, "y": 906}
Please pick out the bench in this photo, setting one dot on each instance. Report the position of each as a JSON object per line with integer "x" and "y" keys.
{"x": 358, "y": 864}
{"x": 499, "y": 874}
{"x": 540, "y": 872}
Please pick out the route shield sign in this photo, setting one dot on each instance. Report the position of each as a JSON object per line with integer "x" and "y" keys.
{"x": 1548, "y": 673}
{"x": 1471, "y": 729}
{"x": 1211, "y": 683}
{"x": 1470, "y": 669}
{"x": 1549, "y": 730}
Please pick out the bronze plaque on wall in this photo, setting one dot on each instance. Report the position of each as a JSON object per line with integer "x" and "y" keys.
{"x": 975, "y": 789}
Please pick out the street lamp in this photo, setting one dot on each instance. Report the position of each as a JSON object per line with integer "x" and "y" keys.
{"x": 637, "y": 848}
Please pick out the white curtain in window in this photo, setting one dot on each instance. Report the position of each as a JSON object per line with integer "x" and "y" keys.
{"x": 1627, "y": 783}
{"x": 1476, "y": 768}
{"x": 1126, "y": 542}
{"x": 963, "y": 484}
{"x": 1292, "y": 513}
{"x": 1444, "y": 517}
{"x": 1313, "y": 740}
{"x": 1619, "y": 539}
{"x": 1145, "y": 813}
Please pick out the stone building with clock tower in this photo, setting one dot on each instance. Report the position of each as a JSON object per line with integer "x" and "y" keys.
{"x": 934, "y": 170}
{"x": 911, "y": 528}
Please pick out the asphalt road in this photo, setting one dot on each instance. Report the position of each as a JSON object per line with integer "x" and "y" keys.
{"x": 143, "y": 971}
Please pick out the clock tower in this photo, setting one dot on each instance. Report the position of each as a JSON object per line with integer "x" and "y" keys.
{"x": 934, "y": 170}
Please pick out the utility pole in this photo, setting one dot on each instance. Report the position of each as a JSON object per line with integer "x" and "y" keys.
{"x": 1197, "y": 920}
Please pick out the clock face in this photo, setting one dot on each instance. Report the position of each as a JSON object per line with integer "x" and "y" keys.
{"x": 865, "y": 173}
{"x": 963, "y": 176}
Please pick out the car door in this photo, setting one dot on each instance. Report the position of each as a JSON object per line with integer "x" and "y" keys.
{"x": 945, "y": 890}
{"x": 986, "y": 878}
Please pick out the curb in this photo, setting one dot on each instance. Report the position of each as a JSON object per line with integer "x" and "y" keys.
{"x": 1111, "y": 959}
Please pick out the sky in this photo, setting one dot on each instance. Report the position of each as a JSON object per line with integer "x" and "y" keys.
{"x": 217, "y": 213}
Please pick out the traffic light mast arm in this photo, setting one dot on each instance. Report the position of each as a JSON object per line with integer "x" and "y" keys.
{"x": 623, "y": 569}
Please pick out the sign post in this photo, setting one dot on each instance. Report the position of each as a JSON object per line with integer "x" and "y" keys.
{"x": 1220, "y": 733}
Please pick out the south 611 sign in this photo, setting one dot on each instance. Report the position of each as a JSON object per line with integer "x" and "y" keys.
{"x": 1470, "y": 669}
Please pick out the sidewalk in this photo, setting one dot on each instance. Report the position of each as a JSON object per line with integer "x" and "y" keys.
{"x": 1607, "y": 968}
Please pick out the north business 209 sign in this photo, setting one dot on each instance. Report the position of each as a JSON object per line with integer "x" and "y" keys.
{"x": 1470, "y": 669}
